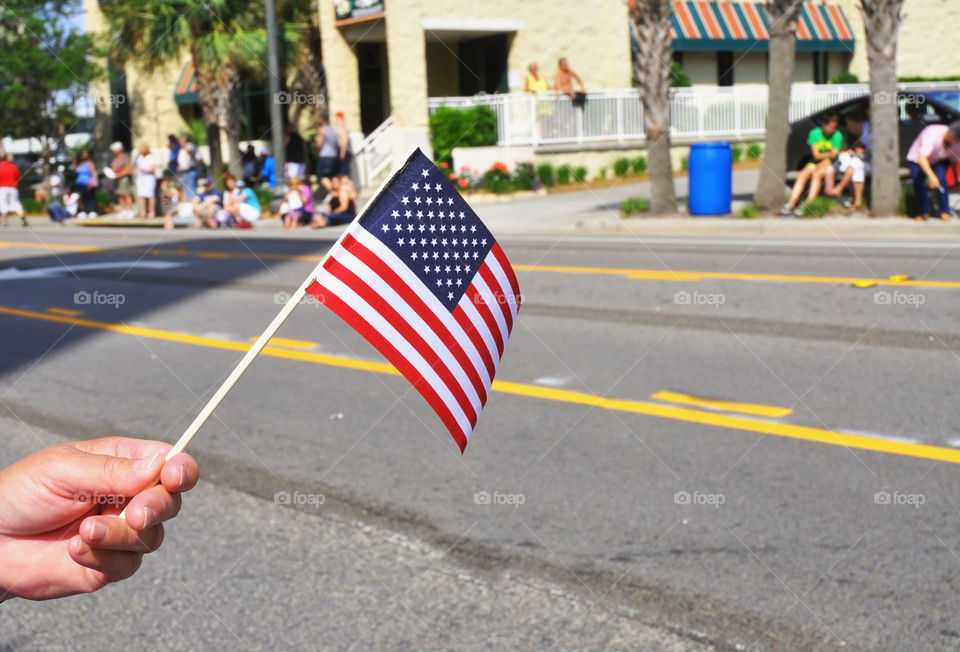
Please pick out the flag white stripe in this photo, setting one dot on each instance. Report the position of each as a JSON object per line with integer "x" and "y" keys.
{"x": 409, "y": 315}
{"x": 509, "y": 297}
{"x": 383, "y": 326}
{"x": 492, "y": 305}
{"x": 480, "y": 326}
{"x": 400, "y": 268}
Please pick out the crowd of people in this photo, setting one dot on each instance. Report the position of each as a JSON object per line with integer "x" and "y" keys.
{"x": 142, "y": 184}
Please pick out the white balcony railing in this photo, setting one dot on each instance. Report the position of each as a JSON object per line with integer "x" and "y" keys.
{"x": 616, "y": 116}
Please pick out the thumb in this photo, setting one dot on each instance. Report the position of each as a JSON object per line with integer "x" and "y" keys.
{"x": 106, "y": 474}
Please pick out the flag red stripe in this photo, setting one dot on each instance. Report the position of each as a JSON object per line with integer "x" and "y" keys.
{"x": 507, "y": 269}
{"x": 382, "y": 269}
{"x": 407, "y": 332}
{"x": 380, "y": 343}
{"x": 487, "y": 316}
{"x": 471, "y": 330}
{"x": 499, "y": 294}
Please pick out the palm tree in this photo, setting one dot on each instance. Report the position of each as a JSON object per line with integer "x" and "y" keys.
{"x": 222, "y": 36}
{"x": 881, "y": 21}
{"x": 650, "y": 22}
{"x": 300, "y": 50}
{"x": 783, "y": 15}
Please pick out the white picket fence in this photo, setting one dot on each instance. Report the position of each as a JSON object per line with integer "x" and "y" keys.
{"x": 615, "y": 116}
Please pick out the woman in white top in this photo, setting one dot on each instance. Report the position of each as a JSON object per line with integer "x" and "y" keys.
{"x": 146, "y": 182}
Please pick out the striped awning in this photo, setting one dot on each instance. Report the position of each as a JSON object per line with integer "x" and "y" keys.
{"x": 186, "y": 90}
{"x": 739, "y": 26}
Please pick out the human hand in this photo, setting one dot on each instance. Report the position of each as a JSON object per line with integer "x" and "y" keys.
{"x": 933, "y": 183}
{"x": 59, "y": 528}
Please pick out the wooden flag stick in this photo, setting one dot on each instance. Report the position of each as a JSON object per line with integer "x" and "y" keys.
{"x": 270, "y": 331}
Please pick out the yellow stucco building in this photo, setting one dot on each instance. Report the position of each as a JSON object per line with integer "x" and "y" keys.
{"x": 387, "y": 57}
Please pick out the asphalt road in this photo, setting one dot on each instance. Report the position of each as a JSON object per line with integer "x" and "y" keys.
{"x": 778, "y": 469}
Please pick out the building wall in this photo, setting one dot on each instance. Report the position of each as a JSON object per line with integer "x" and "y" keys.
{"x": 153, "y": 113}
{"x": 750, "y": 68}
{"x": 926, "y": 25}
{"x": 593, "y": 35}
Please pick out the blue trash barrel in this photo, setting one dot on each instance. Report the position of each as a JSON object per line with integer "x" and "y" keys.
{"x": 711, "y": 179}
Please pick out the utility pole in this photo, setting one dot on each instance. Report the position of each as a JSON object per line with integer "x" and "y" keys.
{"x": 273, "y": 79}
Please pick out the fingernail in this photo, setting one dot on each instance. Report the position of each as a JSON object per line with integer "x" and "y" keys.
{"x": 97, "y": 531}
{"x": 80, "y": 548}
{"x": 145, "y": 463}
{"x": 149, "y": 516}
{"x": 183, "y": 475}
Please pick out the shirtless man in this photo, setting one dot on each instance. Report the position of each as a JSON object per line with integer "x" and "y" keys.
{"x": 563, "y": 80}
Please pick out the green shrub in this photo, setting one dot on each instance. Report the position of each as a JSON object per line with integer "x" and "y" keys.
{"x": 264, "y": 196}
{"x": 634, "y": 205}
{"x": 754, "y": 151}
{"x": 845, "y": 78}
{"x": 580, "y": 174}
{"x": 524, "y": 177}
{"x": 497, "y": 179}
{"x": 679, "y": 77}
{"x": 602, "y": 173}
{"x": 104, "y": 198}
{"x": 638, "y": 165}
{"x": 564, "y": 175}
{"x": 621, "y": 167}
{"x": 818, "y": 207}
{"x": 198, "y": 133}
{"x": 749, "y": 211}
{"x": 450, "y": 127}
{"x": 684, "y": 163}
{"x": 736, "y": 152}
{"x": 546, "y": 174}
{"x": 905, "y": 203}
{"x": 32, "y": 207}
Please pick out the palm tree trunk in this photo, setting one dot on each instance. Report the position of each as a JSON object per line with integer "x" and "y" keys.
{"x": 209, "y": 94}
{"x": 651, "y": 27}
{"x": 783, "y": 45}
{"x": 233, "y": 112}
{"x": 881, "y": 21}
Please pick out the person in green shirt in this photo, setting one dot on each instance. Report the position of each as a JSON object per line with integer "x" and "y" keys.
{"x": 826, "y": 143}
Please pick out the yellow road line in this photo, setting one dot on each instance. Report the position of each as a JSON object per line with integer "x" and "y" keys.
{"x": 65, "y": 311}
{"x": 730, "y": 406}
{"x": 680, "y": 275}
{"x": 632, "y": 274}
{"x": 288, "y": 344}
{"x": 818, "y": 435}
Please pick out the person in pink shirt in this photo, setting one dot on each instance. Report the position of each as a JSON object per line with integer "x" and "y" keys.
{"x": 934, "y": 150}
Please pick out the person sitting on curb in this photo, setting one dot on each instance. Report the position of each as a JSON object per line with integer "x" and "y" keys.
{"x": 342, "y": 207}
{"x": 825, "y": 143}
{"x": 60, "y": 533}
{"x": 853, "y": 164}
{"x": 934, "y": 150}
{"x": 208, "y": 201}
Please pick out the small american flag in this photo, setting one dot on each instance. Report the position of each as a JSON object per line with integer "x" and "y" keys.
{"x": 421, "y": 278}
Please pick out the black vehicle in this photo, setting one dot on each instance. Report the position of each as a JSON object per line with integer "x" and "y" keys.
{"x": 917, "y": 110}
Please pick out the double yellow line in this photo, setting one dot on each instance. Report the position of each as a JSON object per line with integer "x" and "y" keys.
{"x": 646, "y": 408}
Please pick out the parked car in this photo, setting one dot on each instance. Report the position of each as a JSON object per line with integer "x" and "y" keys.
{"x": 917, "y": 110}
